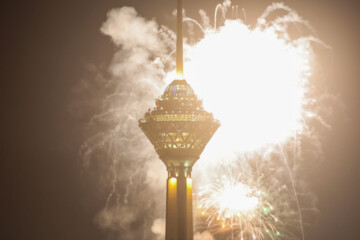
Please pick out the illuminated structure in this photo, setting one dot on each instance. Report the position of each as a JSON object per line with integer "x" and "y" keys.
{"x": 179, "y": 128}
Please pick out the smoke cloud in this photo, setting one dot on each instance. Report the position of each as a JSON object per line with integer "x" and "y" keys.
{"x": 130, "y": 31}
{"x": 158, "y": 228}
{"x": 116, "y": 155}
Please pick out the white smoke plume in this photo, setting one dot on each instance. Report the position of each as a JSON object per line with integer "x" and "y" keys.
{"x": 158, "y": 228}
{"x": 117, "y": 154}
{"x": 123, "y": 164}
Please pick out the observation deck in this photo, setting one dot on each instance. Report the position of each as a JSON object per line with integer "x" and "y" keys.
{"x": 179, "y": 127}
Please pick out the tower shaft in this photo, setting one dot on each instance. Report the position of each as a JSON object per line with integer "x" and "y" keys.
{"x": 179, "y": 219}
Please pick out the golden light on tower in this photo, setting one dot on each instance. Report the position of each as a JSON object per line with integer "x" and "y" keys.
{"x": 179, "y": 129}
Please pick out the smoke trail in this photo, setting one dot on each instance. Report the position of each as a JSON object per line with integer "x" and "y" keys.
{"x": 117, "y": 154}
{"x": 125, "y": 166}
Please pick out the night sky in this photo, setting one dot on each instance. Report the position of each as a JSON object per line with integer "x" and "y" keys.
{"x": 46, "y": 47}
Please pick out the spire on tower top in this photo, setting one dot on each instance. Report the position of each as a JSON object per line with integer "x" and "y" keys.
{"x": 179, "y": 41}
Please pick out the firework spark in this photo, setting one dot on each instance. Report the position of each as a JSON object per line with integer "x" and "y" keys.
{"x": 229, "y": 203}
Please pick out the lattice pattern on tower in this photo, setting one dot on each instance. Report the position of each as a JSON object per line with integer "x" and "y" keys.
{"x": 178, "y": 126}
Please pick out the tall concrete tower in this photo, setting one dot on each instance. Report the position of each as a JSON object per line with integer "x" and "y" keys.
{"x": 179, "y": 128}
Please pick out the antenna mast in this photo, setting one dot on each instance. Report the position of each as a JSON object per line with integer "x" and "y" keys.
{"x": 179, "y": 41}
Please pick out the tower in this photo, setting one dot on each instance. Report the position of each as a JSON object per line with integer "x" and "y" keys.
{"x": 179, "y": 129}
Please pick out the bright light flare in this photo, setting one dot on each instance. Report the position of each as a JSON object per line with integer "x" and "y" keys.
{"x": 231, "y": 204}
{"x": 236, "y": 198}
{"x": 255, "y": 82}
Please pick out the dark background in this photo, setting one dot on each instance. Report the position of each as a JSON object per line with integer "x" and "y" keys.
{"x": 45, "y": 46}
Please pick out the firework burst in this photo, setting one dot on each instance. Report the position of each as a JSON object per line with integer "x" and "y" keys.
{"x": 230, "y": 204}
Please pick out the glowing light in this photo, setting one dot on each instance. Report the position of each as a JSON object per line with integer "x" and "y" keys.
{"x": 237, "y": 198}
{"x": 179, "y": 75}
{"x": 189, "y": 182}
{"x": 229, "y": 198}
{"x": 256, "y": 83}
{"x": 172, "y": 181}
{"x": 229, "y": 203}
